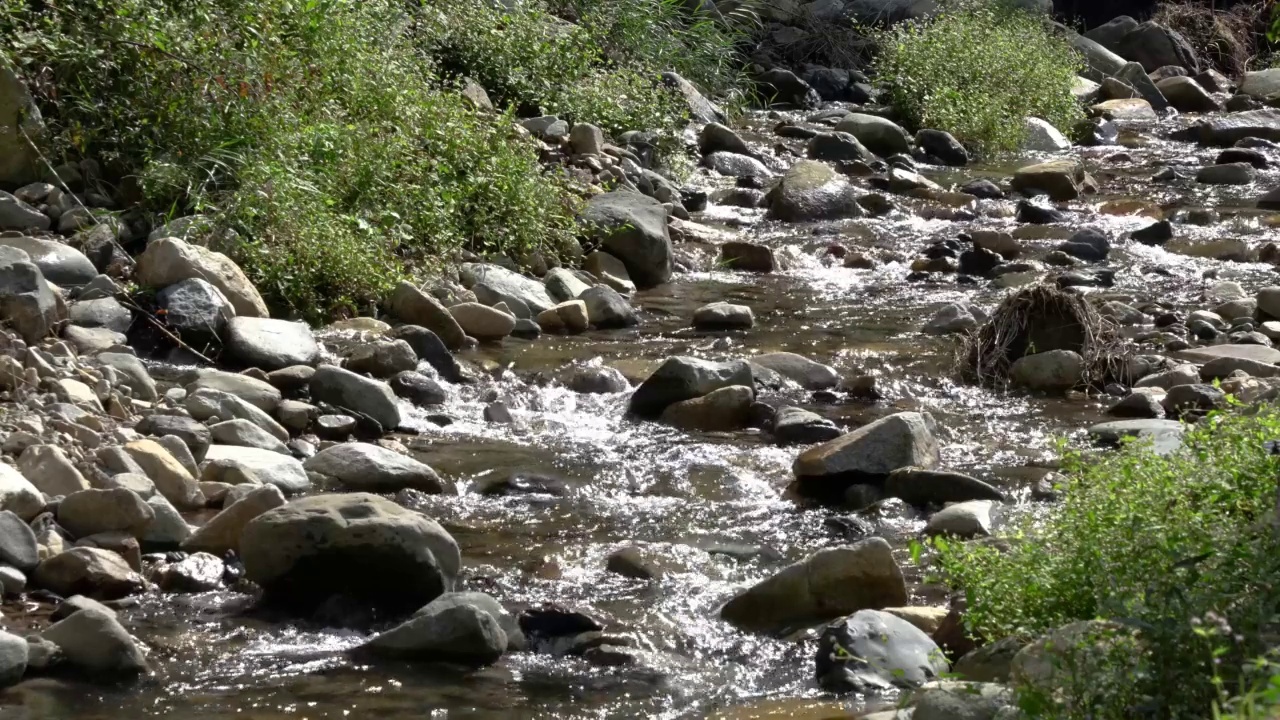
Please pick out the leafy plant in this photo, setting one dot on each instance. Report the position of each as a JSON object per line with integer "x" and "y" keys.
{"x": 976, "y": 70}
{"x": 1167, "y": 545}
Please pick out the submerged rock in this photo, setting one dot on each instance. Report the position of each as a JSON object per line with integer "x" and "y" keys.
{"x": 811, "y": 191}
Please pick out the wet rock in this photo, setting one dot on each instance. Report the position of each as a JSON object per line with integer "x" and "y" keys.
{"x": 1227, "y": 130}
{"x": 723, "y": 409}
{"x": 943, "y": 146}
{"x": 195, "y": 308}
{"x": 373, "y": 468}
{"x": 270, "y": 344}
{"x": 827, "y": 584}
{"x": 715, "y": 137}
{"x": 413, "y": 306}
{"x": 27, "y": 301}
{"x": 1052, "y": 370}
{"x": 982, "y": 188}
{"x": 606, "y": 309}
{"x": 811, "y": 191}
{"x": 723, "y": 316}
{"x": 93, "y": 511}
{"x": 809, "y": 374}
{"x": 837, "y": 146}
{"x": 1088, "y": 244}
{"x": 356, "y": 393}
{"x": 595, "y": 380}
{"x": 453, "y": 631}
{"x": 382, "y": 358}
{"x": 1252, "y": 157}
{"x": 1125, "y": 110}
{"x": 1063, "y": 179}
{"x": 1123, "y": 314}
{"x": 1036, "y": 214}
{"x": 921, "y": 487}
{"x": 432, "y": 350}
{"x": 1187, "y": 95}
{"x": 196, "y": 573}
{"x": 685, "y": 378}
{"x": 355, "y": 545}
{"x": 633, "y": 228}
{"x": 873, "y": 651}
{"x": 1137, "y": 405}
{"x": 13, "y": 659}
{"x": 1043, "y": 137}
{"x": 793, "y": 425}
{"x": 418, "y": 389}
{"x": 225, "y": 530}
{"x": 93, "y": 641}
{"x": 735, "y": 165}
{"x": 751, "y": 257}
{"x": 950, "y": 319}
{"x": 962, "y": 520}
{"x": 1157, "y": 233}
{"x": 632, "y": 562}
{"x": 882, "y": 137}
{"x": 871, "y": 452}
{"x": 167, "y": 261}
{"x": 88, "y": 571}
{"x": 1197, "y": 398}
{"x": 1229, "y": 174}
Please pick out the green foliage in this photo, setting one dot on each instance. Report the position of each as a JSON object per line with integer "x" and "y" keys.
{"x": 328, "y": 134}
{"x": 1181, "y": 548}
{"x": 976, "y": 71}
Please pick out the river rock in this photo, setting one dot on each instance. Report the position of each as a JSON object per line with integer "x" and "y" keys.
{"x": 715, "y": 137}
{"x": 880, "y": 652}
{"x": 94, "y": 642}
{"x": 93, "y": 572}
{"x": 723, "y": 316}
{"x": 382, "y": 358}
{"x": 27, "y": 302}
{"x": 246, "y": 434}
{"x": 1063, "y": 179}
{"x": 1137, "y": 78}
{"x": 1155, "y": 46}
{"x": 17, "y": 542}
{"x": 13, "y": 659}
{"x": 943, "y": 146}
{"x": 811, "y": 191}
{"x": 199, "y": 572}
{"x": 700, "y": 108}
{"x": 882, "y": 137}
{"x": 734, "y": 165}
{"x": 493, "y": 284}
{"x": 607, "y": 309}
{"x": 353, "y": 544}
{"x": 1226, "y": 130}
{"x": 133, "y": 374}
{"x": 1044, "y": 664}
{"x": 1100, "y": 62}
{"x": 18, "y": 215}
{"x": 223, "y": 532}
{"x": 921, "y": 487}
{"x": 91, "y": 341}
{"x": 89, "y": 512}
{"x": 872, "y": 451}
{"x": 723, "y": 409}
{"x": 60, "y": 263}
{"x": 260, "y": 394}
{"x": 952, "y": 700}
{"x": 169, "y": 260}
{"x": 456, "y": 632}
{"x": 418, "y": 389}
{"x": 752, "y": 257}
{"x": 413, "y": 306}
{"x": 270, "y": 344}
{"x": 633, "y": 228}
{"x": 1165, "y": 435}
{"x": 236, "y": 465}
{"x": 18, "y": 495}
{"x": 1052, "y": 370}
{"x": 483, "y": 322}
{"x": 51, "y": 471}
{"x": 1137, "y": 405}
{"x": 1259, "y": 353}
{"x": 809, "y": 374}
{"x": 783, "y": 86}
{"x": 102, "y": 313}
{"x": 373, "y": 468}
{"x": 793, "y": 425}
{"x": 563, "y": 285}
{"x": 1229, "y": 174}
{"x": 196, "y": 308}
{"x": 685, "y": 378}
{"x": 610, "y": 271}
{"x": 168, "y": 529}
{"x": 962, "y": 520}
{"x": 827, "y": 584}
{"x": 194, "y": 435}
{"x": 592, "y": 380}
{"x": 349, "y": 391}
{"x": 1197, "y": 398}
{"x": 952, "y": 318}
{"x": 1187, "y": 95}
{"x": 171, "y": 479}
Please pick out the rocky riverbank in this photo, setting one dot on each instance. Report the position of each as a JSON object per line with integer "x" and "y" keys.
{"x": 671, "y": 479}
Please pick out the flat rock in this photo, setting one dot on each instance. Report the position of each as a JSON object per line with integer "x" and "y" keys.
{"x": 872, "y": 451}
{"x": 372, "y": 468}
{"x": 271, "y": 344}
{"x": 349, "y": 391}
{"x": 245, "y": 465}
{"x": 94, "y": 642}
{"x": 808, "y": 374}
{"x": 60, "y": 263}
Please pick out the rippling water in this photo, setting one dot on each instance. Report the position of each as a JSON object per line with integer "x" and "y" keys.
{"x": 713, "y": 505}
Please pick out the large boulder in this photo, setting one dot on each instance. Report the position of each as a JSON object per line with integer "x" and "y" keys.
{"x": 872, "y": 651}
{"x": 493, "y": 284}
{"x": 356, "y": 393}
{"x": 169, "y": 260}
{"x": 869, "y": 453}
{"x": 1100, "y": 62}
{"x": 196, "y": 309}
{"x": 94, "y": 642}
{"x": 18, "y": 495}
{"x": 269, "y": 344}
{"x": 20, "y": 117}
{"x": 459, "y": 633}
{"x": 411, "y": 305}
{"x": 1156, "y": 46}
{"x": 685, "y": 378}
{"x": 813, "y": 191}
{"x": 27, "y": 302}
{"x": 373, "y": 468}
{"x": 826, "y": 585}
{"x": 223, "y": 531}
{"x": 633, "y": 228}
{"x": 1187, "y": 95}
{"x": 355, "y": 545}
{"x": 1063, "y": 179}
{"x": 89, "y": 571}
{"x": 880, "y": 136}
{"x": 60, "y": 263}
{"x": 245, "y": 465}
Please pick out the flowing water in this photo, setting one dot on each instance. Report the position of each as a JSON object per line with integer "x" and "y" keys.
{"x": 715, "y": 506}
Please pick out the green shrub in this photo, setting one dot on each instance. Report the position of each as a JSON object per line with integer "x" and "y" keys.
{"x": 976, "y": 71}
{"x": 1183, "y": 548}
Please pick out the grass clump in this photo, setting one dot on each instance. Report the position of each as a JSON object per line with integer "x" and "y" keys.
{"x": 1181, "y": 549}
{"x": 976, "y": 71}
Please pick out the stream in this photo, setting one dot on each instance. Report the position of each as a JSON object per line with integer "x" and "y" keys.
{"x": 715, "y": 506}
